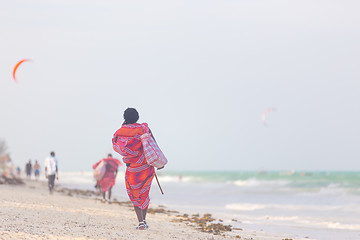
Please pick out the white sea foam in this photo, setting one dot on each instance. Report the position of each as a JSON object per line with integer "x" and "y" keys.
{"x": 337, "y": 225}
{"x": 245, "y": 206}
{"x": 333, "y": 190}
{"x": 287, "y": 207}
{"x": 176, "y": 179}
{"x": 252, "y": 182}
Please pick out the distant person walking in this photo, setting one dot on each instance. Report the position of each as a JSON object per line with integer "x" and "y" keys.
{"x": 18, "y": 171}
{"x": 37, "y": 170}
{"x": 107, "y": 181}
{"x": 51, "y": 171}
{"x": 28, "y": 170}
{"x": 139, "y": 174}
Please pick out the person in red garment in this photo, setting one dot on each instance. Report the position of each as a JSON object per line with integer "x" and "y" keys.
{"x": 139, "y": 174}
{"x": 108, "y": 180}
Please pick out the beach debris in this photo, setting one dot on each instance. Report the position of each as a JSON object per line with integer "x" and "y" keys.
{"x": 16, "y": 67}
{"x": 161, "y": 210}
{"x": 172, "y": 211}
{"x": 156, "y": 210}
{"x": 204, "y": 223}
{"x": 71, "y": 192}
{"x": 240, "y": 229}
{"x": 263, "y": 115}
{"x": 126, "y": 203}
{"x": 216, "y": 228}
{"x": 13, "y": 180}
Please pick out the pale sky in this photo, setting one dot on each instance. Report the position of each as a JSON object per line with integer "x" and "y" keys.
{"x": 200, "y": 74}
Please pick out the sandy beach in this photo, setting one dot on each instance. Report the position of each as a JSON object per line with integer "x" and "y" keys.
{"x": 29, "y": 212}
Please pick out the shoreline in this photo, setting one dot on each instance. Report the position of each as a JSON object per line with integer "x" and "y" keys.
{"x": 30, "y": 212}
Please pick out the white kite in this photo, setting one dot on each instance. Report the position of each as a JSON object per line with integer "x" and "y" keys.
{"x": 263, "y": 115}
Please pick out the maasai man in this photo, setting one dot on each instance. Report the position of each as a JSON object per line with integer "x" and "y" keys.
{"x": 108, "y": 180}
{"x": 139, "y": 174}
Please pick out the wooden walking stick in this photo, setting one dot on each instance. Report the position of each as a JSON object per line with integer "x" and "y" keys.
{"x": 159, "y": 184}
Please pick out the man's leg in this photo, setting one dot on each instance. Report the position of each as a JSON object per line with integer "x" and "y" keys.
{"x": 103, "y": 195}
{"x": 49, "y": 182}
{"x": 110, "y": 194}
{"x": 144, "y": 211}
{"x": 139, "y": 214}
{"x": 51, "y": 179}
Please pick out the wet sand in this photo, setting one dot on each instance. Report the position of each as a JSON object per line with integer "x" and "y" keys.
{"x": 30, "y": 212}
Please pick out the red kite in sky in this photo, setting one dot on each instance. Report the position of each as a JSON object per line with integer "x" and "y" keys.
{"x": 16, "y": 67}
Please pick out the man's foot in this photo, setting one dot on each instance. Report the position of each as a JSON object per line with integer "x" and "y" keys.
{"x": 146, "y": 225}
{"x": 103, "y": 200}
{"x": 109, "y": 201}
{"x": 141, "y": 226}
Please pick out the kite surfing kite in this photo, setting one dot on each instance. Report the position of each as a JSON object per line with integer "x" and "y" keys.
{"x": 263, "y": 115}
{"x": 16, "y": 67}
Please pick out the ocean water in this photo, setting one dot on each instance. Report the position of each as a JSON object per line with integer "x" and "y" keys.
{"x": 317, "y": 205}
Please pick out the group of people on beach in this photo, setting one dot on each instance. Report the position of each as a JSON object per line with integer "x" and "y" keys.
{"x": 51, "y": 170}
{"x": 139, "y": 174}
{"x": 29, "y": 169}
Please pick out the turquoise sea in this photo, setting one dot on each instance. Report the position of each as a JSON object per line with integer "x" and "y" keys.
{"x": 317, "y": 205}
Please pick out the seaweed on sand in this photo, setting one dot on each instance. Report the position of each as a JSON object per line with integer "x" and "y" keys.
{"x": 204, "y": 223}
{"x": 12, "y": 181}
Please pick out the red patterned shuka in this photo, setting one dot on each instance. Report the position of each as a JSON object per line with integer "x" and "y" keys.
{"x": 139, "y": 174}
{"x": 108, "y": 180}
